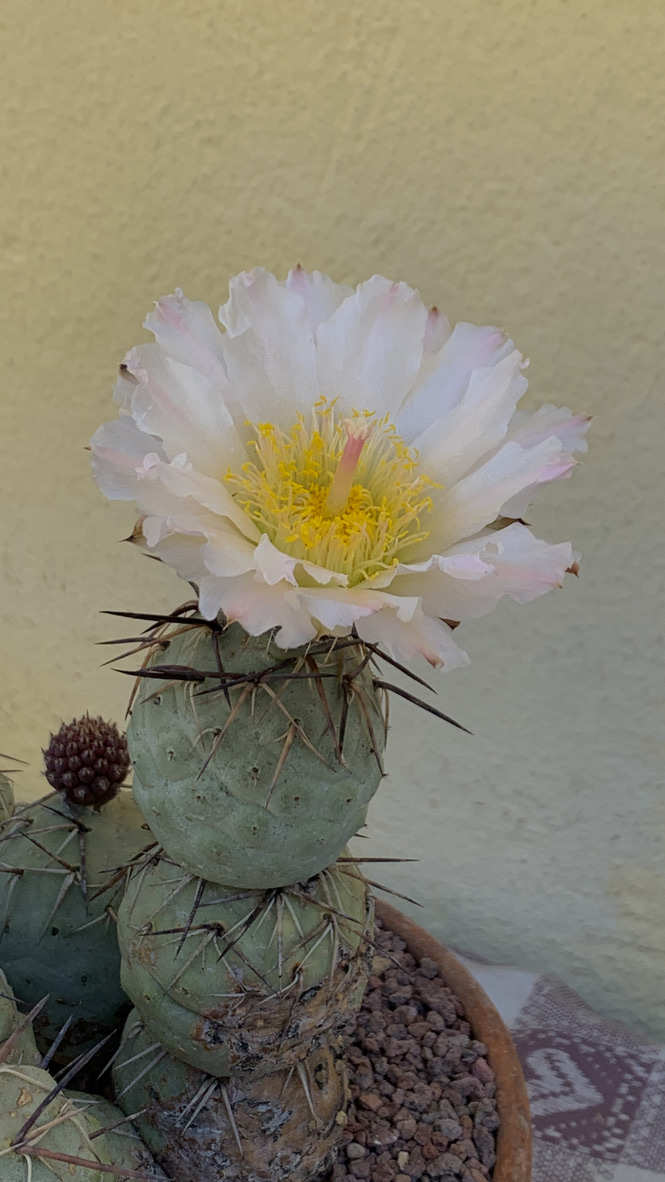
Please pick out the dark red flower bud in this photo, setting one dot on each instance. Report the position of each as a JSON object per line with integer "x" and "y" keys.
{"x": 87, "y": 760}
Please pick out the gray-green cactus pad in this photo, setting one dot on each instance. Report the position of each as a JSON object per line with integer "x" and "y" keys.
{"x": 281, "y": 1126}
{"x": 57, "y": 935}
{"x": 124, "y": 1145}
{"x": 24, "y": 1049}
{"x": 22, "y": 1089}
{"x": 246, "y": 788}
{"x": 235, "y": 981}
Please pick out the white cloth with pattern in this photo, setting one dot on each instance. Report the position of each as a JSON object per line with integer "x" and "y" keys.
{"x": 597, "y": 1090}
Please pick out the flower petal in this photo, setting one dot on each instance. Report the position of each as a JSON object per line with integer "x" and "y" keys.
{"x": 118, "y": 451}
{"x": 182, "y": 552}
{"x": 513, "y": 562}
{"x": 437, "y": 331}
{"x": 258, "y": 607}
{"x": 182, "y": 407}
{"x": 421, "y": 636}
{"x": 546, "y": 423}
{"x": 321, "y": 295}
{"x": 395, "y": 621}
{"x": 186, "y": 331}
{"x": 451, "y": 446}
{"x": 444, "y": 379}
{"x": 269, "y": 349}
{"x": 370, "y": 349}
{"x": 182, "y": 481}
{"x": 468, "y": 506}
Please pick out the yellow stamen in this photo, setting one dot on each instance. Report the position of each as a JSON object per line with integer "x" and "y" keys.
{"x": 343, "y": 494}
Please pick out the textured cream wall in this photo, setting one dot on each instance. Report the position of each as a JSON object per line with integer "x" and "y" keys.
{"x": 507, "y": 158}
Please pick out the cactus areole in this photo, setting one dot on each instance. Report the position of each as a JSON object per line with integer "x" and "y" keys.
{"x": 254, "y": 767}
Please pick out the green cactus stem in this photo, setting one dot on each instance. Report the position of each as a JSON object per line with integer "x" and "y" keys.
{"x": 61, "y": 1128}
{"x": 24, "y": 1049}
{"x": 59, "y": 891}
{"x": 281, "y": 1126}
{"x": 252, "y": 766}
{"x": 236, "y": 981}
{"x": 124, "y": 1146}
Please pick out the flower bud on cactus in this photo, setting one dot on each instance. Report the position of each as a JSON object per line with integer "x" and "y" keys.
{"x": 87, "y": 761}
{"x": 257, "y": 776}
{"x": 281, "y": 1126}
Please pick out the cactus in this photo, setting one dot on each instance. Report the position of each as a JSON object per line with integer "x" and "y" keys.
{"x": 23, "y": 1090}
{"x": 123, "y": 1143}
{"x": 244, "y": 981}
{"x": 263, "y": 784}
{"x": 281, "y": 1126}
{"x": 245, "y": 937}
{"x": 46, "y": 1132}
{"x": 57, "y": 898}
{"x": 6, "y": 797}
{"x": 24, "y": 1049}
{"x": 78, "y": 1134}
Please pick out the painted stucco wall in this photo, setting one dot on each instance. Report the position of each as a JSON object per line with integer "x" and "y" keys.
{"x": 508, "y": 159}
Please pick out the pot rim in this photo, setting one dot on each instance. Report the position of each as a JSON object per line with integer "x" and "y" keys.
{"x": 514, "y": 1137}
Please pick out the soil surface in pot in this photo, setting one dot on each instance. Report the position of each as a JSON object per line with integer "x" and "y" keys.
{"x": 423, "y": 1094}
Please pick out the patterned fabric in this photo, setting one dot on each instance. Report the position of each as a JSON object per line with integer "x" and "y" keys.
{"x": 597, "y": 1090}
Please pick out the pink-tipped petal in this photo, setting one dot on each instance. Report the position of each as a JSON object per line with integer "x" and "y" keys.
{"x": 269, "y": 349}
{"x": 421, "y": 636}
{"x": 370, "y": 349}
{"x": 119, "y": 450}
{"x": 437, "y": 331}
{"x": 320, "y": 294}
{"x": 257, "y": 608}
{"x": 444, "y": 377}
{"x": 454, "y": 444}
{"x": 514, "y": 564}
{"x": 181, "y": 407}
{"x": 476, "y": 500}
{"x": 549, "y": 422}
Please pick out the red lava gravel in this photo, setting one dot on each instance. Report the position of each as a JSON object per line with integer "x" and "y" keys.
{"x": 422, "y": 1091}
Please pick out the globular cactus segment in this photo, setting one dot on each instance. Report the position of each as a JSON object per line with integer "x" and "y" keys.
{"x": 58, "y": 892}
{"x": 24, "y": 1048}
{"x": 46, "y": 1133}
{"x": 36, "y": 1116}
{"x": 61, "y": 1128}
{"x": 269, "y": 1129}
{"x": 252, "y": 766}
{"x": 239, "y": 981}
{"x": 123, "y": 1143}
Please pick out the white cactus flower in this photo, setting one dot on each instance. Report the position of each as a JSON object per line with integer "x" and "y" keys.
{"x": 336, "y": 459}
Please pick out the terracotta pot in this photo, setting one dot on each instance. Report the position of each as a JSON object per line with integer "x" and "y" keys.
{"x": 513, "y": 1151}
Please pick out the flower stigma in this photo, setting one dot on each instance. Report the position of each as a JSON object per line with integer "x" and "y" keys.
{"x": 344, "y": 494}
{"x": 358, "y": 432}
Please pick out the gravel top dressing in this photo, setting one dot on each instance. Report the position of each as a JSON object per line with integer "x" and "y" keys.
{"x": 423, "y": 1094}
